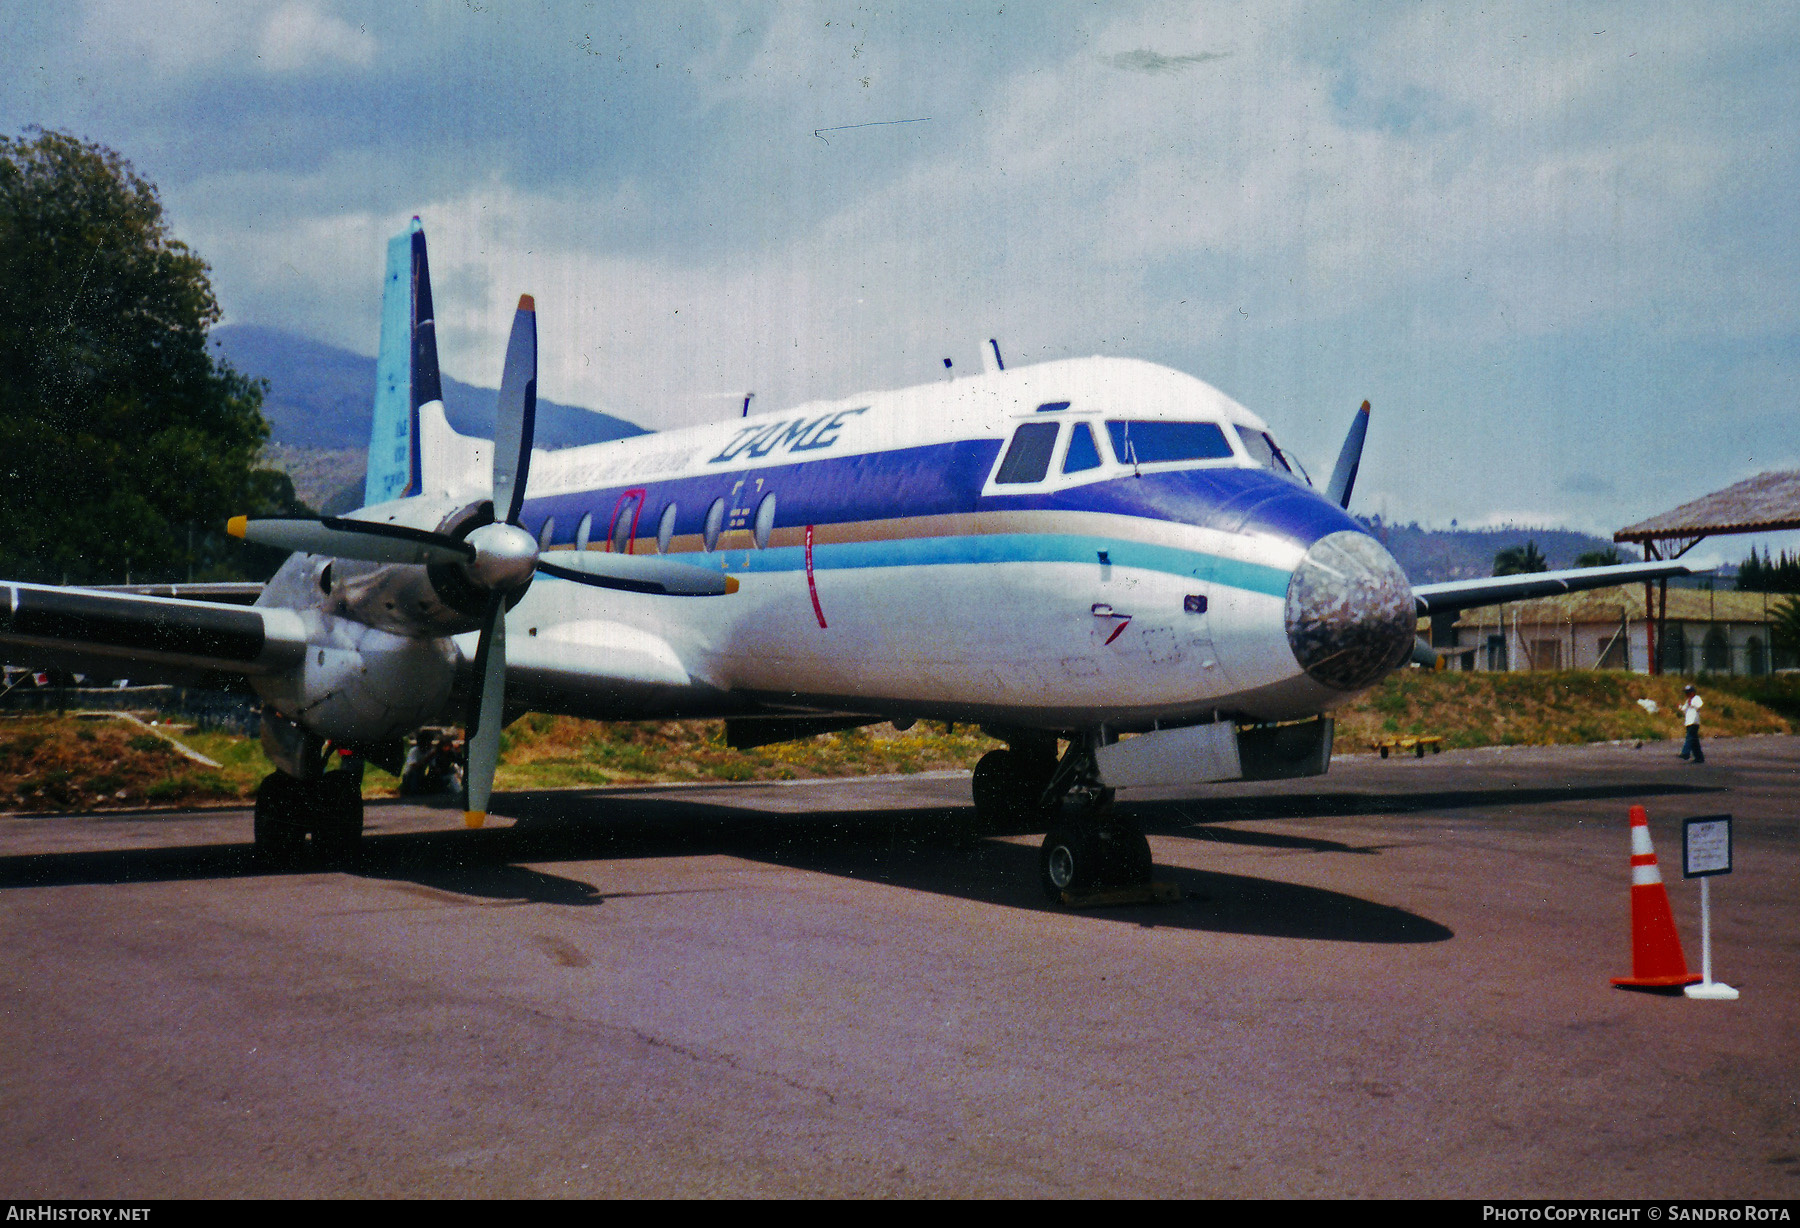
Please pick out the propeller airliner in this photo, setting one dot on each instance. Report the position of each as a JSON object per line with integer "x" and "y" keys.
{"x": 1063, "y": 553}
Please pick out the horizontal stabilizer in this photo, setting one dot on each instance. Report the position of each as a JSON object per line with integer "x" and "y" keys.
{"x": 1493, "y": 590}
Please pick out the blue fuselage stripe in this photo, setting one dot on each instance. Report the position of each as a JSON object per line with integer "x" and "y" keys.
{"x": 1015, "y": 548}
{"x": 947, "y": 479}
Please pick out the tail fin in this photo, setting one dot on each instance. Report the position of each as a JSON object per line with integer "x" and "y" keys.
{"x": 406, "y": 372}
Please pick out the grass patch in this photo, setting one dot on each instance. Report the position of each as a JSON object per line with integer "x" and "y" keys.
{"x": 1553, "y": 708}
{"x": 51, "y": 763}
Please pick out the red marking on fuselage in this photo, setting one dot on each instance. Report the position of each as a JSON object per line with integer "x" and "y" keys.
{"x": 634, "y": 496}
{"x": 811, "y": 588}
{"x": 1124, "y": 622}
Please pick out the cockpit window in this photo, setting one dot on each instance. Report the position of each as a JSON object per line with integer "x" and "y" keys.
{"x": 1028, "y": 460}
{"x": 1262, "y": 450}
{"x": 1140, "y": 442}
{"x": 1266, "y": 452}
{"x": 1082, "y": 454}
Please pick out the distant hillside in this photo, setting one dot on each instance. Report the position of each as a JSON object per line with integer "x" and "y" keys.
{"x": 1431, "y": 556}
{"x": 321, "y": 399}
{"x": 321, "y": 396}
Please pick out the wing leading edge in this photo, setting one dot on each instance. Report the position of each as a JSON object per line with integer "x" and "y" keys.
{"x": 84, "y": 629}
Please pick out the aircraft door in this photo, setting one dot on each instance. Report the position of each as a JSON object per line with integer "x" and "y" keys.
{"x": 622, "y": 534}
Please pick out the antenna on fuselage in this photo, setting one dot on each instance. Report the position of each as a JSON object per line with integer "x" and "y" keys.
{"x": 998, "y": 361}
{"x": 746, "y": 412}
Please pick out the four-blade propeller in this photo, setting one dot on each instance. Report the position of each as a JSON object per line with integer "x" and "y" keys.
{"x": 500, "y": 557}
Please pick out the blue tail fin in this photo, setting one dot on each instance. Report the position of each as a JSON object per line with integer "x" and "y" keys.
{"x": 406, "y": 371}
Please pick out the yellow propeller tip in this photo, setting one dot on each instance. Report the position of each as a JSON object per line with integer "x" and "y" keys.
{"x": 527, "y": 303}
{"x": 731, "y": 584}
{"x": 238, "y": 526}
{"x": 474, "y": 818}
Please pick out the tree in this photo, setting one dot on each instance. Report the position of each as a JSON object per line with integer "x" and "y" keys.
{"x": 1608, "y": 557}
{"x": 1518, "y": 560}
{"x": 1784, "y": 624}
{"x": 1766, "y": 575}
{"x": 120, "y": 435}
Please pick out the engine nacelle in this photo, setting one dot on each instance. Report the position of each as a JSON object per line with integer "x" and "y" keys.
{"x": 379, "y": 661}
{"x": 360, "y": 684}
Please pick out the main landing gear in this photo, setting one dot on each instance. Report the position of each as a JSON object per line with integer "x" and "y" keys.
{"x": 1088, "y": 846}
{"x": 325, "y": 809}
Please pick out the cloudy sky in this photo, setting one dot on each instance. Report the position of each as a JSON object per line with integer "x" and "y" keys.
{"x": 1554, "y": 244}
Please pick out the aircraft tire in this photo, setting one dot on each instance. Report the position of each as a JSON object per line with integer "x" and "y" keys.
{"x": 279, "y": 826}
{"x": 1070, "y": 860}
{"x": 1125, "y": 856}
{"x": 337, "y": 820}
{"x": 997, "y": 786}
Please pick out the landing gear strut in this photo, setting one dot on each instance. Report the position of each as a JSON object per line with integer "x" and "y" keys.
{"x": 1088, "y": 846}
{"x": 326, "y": 807}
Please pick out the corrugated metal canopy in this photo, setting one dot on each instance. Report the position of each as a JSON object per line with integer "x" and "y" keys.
{"x": 1762, "y": 504}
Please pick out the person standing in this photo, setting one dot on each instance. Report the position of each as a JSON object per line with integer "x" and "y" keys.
{"x": 1690, "y": 716}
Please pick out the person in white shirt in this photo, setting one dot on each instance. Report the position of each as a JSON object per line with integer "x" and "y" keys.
{"x": 1690, "y": 716}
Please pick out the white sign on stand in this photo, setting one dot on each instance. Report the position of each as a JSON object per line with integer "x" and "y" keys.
{"x": 1705, "y": 852}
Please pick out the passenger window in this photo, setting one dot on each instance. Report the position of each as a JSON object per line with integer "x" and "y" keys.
{"x": 1082, "y": 455}
{"x": 765, "y": 519}
{"x": 715, "y": 521}
{"x": 548, "y": 532}
{"x": 1141, "y": 442}
{"x": 665, "y": 529}
{"x": 621, "y": 532}
{"x": 1028, "y": 460}
{"x": 583, "y": 530}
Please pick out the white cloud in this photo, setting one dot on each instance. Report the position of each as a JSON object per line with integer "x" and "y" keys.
{"x": 298, "y": 36}
{"x": 183, "y": 37}
{"x": 175, "y": 37}
{"x": 1432, "y": 208}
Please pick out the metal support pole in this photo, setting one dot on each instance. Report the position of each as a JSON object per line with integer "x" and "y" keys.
{"x": 1706, "y": 929}
{"x": 1662, "y": 622}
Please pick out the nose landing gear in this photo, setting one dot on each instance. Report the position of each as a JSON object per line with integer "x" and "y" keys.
{"x": 1088, "y": 848}
{"x": 1085, "y": 855}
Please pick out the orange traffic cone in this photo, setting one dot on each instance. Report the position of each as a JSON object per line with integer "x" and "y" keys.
{"x": 1656, "y": 958}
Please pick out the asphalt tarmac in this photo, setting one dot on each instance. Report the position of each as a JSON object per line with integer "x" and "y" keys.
{"x": 1390, "y": 981}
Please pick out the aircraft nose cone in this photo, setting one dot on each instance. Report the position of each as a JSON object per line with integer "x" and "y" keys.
{"x": 1350, "y": 612}
{"x": 504, "y": 556}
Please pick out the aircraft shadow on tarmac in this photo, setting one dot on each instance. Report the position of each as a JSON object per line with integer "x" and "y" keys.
{"x": 936, "y": 850}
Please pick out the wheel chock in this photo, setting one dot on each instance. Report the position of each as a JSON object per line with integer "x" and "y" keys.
{"x": 1113, "y": 897}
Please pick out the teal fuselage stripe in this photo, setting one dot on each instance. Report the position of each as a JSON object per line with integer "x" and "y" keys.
{"x": 1016, "y": 548}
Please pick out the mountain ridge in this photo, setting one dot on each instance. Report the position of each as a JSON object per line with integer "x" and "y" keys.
{"x": 322, "y": 395}
{"x": 321, "y": 399}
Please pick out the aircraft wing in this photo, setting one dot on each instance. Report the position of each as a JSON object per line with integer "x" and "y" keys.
{"x": 165, "y": 638}
{"x": 1492, "y": 590}
{"x": 227, "y": 592}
